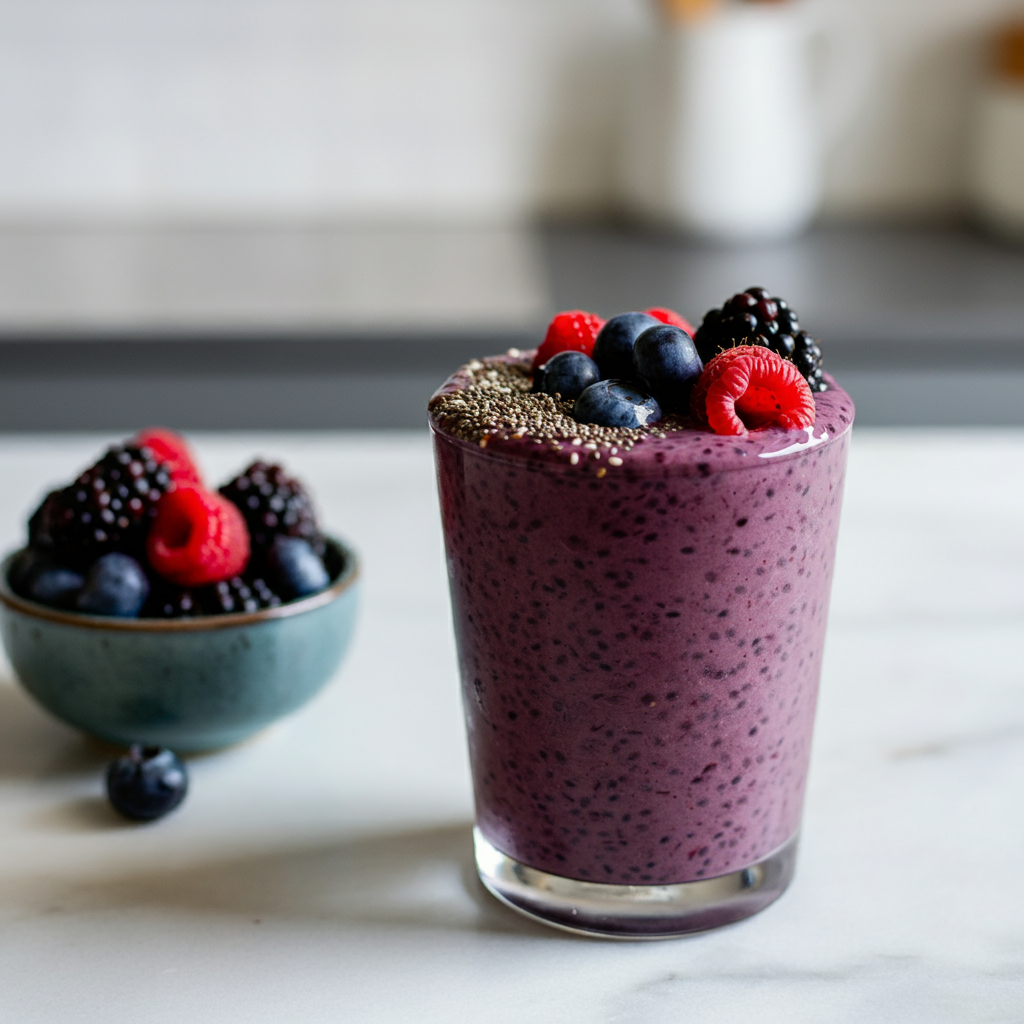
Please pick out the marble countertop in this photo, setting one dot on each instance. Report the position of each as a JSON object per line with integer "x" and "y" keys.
{"x": 323, "y": 871}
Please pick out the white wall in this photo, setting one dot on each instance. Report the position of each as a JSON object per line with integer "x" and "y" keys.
{"x": 905, "y": 152}
{"x": 368, "y": 109}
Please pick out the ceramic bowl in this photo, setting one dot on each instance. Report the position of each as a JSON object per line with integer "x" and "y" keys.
{"x": 189, "y": 684}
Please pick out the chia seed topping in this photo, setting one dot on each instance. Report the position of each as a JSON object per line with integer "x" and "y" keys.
{"x": 491, "y": 398}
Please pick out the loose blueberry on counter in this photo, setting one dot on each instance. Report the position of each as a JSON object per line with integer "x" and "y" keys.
{"x": 668, "y": 366}
{"x": 115, "y": 585}
{"x": 294, "y": 568}
{"x": 616, "y": 403}
{"x": 613, "y": 349}
{"x": 146, "y": 783}
{"x": 568, "y": 374}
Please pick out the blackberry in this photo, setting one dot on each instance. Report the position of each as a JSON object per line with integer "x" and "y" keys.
{"x": 246, "y": 593}
{"x": 273, "y": 503}
{"x": 168, "y": 600}
{"x": 108, "y": 508}
{"x": 239, "y": 594}
{"x": 754, "y": 317}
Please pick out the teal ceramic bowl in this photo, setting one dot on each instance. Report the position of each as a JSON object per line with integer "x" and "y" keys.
{"x": 189, "y": 684}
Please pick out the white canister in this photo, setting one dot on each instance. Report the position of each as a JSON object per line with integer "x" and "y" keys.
{"x": 996, "y": 181}
{"x": 725, "y": 124}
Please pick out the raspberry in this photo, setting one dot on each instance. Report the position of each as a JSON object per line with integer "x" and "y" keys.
{"x": 750, "y": 387}
{"x": 172, "y": 449}
{"x": 197, "y": 538}
{"x": 573, "y": 330}
{"x": 670, "y": 316}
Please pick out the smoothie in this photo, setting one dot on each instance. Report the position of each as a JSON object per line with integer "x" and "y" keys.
{"x": 640, "y": 628}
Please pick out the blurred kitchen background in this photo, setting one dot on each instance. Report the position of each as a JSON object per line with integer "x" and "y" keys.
{"x": 305, "y": 213}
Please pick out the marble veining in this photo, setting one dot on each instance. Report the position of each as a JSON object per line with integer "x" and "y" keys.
{"x": 323, "y": 871}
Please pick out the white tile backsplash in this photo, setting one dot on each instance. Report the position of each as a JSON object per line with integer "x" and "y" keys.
{"x": 399, "y": 109}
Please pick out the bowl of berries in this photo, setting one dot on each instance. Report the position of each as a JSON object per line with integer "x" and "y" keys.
{"x": 148, "y": 609}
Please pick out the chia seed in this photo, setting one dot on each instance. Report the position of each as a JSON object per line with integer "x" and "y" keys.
{"x": 492, "y": 398}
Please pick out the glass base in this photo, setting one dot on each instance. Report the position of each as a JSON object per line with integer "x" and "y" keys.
{"x": 634, "y": 911}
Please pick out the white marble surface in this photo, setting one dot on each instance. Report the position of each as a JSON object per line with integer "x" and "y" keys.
{"x": 323, "y": 871}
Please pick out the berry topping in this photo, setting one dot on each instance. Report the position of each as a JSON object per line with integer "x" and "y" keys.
{"x": 616, "y": 403}
{"x": 574, "y": 330}
{"x": 146, "y": 783}
{"x": 670, "y": 316}
{"x": 567, "y": 374}
{"x": 756, "y": 318}
{"x": 613, "y": 349}
{"x": 108, "y": 508}
{"x": 667, "y": 364}
{"x": 295, "y": 568}
{"x": 751, "y": 387}
{"x": 173, "y": 450}
{"x": 272, "y": 503}
{"x": 197, "y": 538}
{"x": 115, "y": 585}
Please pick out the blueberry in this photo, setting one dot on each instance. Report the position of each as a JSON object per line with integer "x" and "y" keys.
{"x": 294, "y": 568}
{"x": 115, "y": 585}
{"x": 667, "y": 364}
{"x": 146, "y": 783}
{"x": 21, "y": 568}
{"x": 613, "y": 347}
{"x": 35, "y": 575}
{"x": 616, "y": 403}
{"x": 54, "y": 585}
{"x": 568, "y": 374}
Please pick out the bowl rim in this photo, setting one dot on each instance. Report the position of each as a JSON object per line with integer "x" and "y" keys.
{"x": 345, "y": 581}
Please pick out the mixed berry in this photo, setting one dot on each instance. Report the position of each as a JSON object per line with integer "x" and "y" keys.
{"x": 748, "y": 366}
{"x": 567, "y": 374}
{"x": 756, "y": 318}
{"x": 571, "y": 331}
{"x": 110, "y": 507}
{"x": 146, "y": 783}
{"x": 751, "y": 387}
{"x": 139, "y": 535}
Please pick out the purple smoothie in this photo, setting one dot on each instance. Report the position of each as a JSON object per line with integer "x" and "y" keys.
{"x": 640, "y": 650}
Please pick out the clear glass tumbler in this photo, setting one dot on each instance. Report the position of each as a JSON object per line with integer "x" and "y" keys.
{"x": 640, "y": 639}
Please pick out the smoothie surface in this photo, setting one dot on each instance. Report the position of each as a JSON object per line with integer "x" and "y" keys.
{"x": 521, "y": 425}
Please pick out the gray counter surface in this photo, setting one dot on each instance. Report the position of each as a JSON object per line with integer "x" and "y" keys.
{"x": 342, "y": 327}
